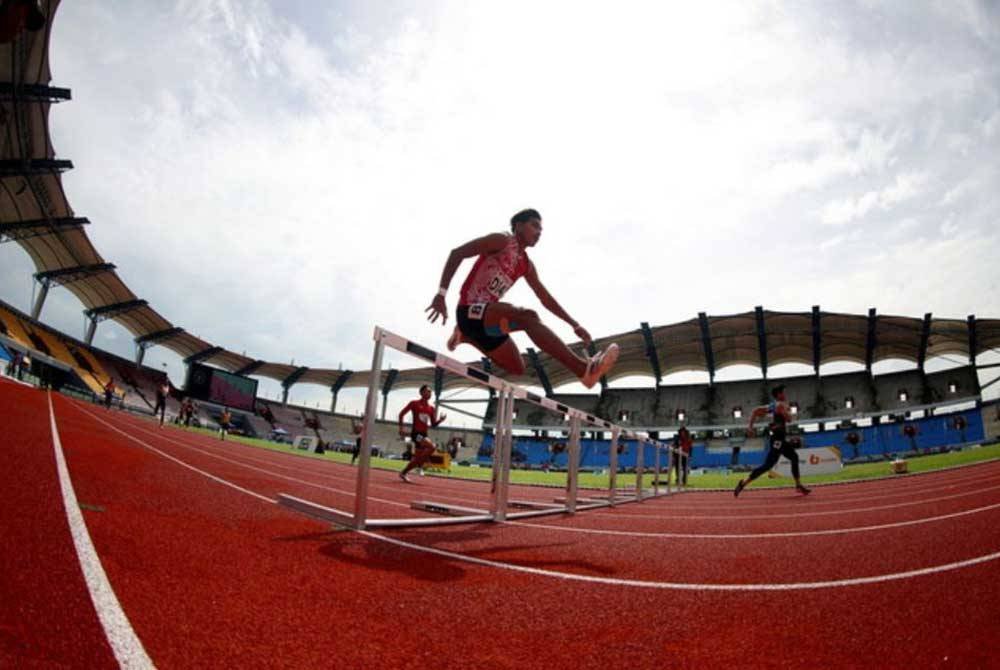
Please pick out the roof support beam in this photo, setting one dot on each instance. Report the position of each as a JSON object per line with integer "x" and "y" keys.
{"x": 149, "y": 339}
{"x": 249, "y": 368}
{"x": 654, "y": 361}
{"x": 336, "y": 386}
{"x": 488, "y": 369}
{"x": 33, "y": 92}
{"x": 706, "y": 342}
{"x": 438, "y": 384}
{"x": 62, "y": 276}
{"x": 390, "y": 379}
{"x": 925, "y": 338}
{"x": 69, "y": 275}
{"x": 98, "y": 314}
{"x": 114, "y": 309}
{"x": 871, "y": 341}
{"x": 540, "y": 371}
{"x": 202, "y": 355}
{"x": 32, "y": 166}
{"x": 817, "y": 333}
{"x": 23, "y": 230}
{"x": 289, "y": 381}
{"x": 144, "y": 342}
{"x": 973, "y": 340}
{"x": 761, "y": 338}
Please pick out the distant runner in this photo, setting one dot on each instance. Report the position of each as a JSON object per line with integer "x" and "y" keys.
{"x": 424, "y": 416}
{"x": 486, "y": 323}
{"x": 778, "y": 444}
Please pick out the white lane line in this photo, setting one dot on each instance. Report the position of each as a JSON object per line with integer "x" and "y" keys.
{"x": 125, "y": 644}
{"x": 446, "y": 497}
{"x": 636, "y": 583}
{"x": 754, "y": 536}
{"x": 688, "y": 586}
{"x": 595, "y": 531}
{"x": 180, "y": 462}
{"x": 709, "y": 517}
{"x": 209, "y": 454}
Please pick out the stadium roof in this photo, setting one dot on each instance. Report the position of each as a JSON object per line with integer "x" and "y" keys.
{"x": 35, "y": 213}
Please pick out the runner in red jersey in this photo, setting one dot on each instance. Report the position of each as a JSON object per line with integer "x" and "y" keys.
{"x": 424, "y": 416}
{"x": 486, "y": 323}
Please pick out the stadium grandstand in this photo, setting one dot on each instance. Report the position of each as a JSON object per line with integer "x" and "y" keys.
{"x": 191, "y": 533}
{"x": 35, "y": 214}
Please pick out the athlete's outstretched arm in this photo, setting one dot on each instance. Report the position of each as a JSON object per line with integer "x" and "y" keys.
{"x": 488, "y": 244}
{"x": 402, "y": 415}
{"x": 551, "y": 304}
{"x": 436, "y": 421}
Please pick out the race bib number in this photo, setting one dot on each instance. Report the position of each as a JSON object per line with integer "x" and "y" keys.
{"x": 499, "y": 285}
{"x": 477, "y": 310}
{"x": 776, "y": 444}
{"x": 424, "y": 418}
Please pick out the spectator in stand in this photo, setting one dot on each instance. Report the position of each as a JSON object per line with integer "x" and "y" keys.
{"x": 109, "y": 393}
{"x": 14, "y": 365}
{"x": 162, "y": 391}
{"x": 25, "y": 366}
{"x": 225, "y": 420}
{"x": 682, "y": 460}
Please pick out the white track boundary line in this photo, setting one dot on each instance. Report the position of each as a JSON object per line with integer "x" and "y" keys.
{"x": 635, "y": 583}
{"x": 444, "y": 497}
{"x": 179, "y": 461}
{"x": 731, "y": 536}
{"x": 857, "y": 510}
{"x": 124, "y": 642}
{"x": 689, "y": 586}
{"x": 755, "y": 536}
{"x": 208, "y": 454}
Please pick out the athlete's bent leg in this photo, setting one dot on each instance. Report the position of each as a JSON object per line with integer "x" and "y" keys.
{"x": 509, "y": 318}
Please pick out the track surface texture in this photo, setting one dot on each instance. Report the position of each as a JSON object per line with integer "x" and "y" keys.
{"x": 208, "y": 571}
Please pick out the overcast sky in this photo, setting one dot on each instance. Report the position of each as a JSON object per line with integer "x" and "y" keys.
{"x": 278, "y": 177}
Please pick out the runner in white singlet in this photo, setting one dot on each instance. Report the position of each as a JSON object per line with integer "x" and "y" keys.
{"x": 486, "y": 322}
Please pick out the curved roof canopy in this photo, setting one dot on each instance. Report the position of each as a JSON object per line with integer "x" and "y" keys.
{"x": 35, "y": 213}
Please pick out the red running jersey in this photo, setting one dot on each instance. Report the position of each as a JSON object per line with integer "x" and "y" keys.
{"x": 423, "y": 415}
{"x": 494, "y": 274}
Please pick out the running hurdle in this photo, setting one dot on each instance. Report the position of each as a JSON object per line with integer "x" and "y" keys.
{"x": 503, "y": 443}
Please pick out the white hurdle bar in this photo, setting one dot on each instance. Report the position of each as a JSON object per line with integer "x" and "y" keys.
{"x": 503, "y": 443}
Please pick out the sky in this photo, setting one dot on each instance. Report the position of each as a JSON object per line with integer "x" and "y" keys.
{"x": 279, "y": 177}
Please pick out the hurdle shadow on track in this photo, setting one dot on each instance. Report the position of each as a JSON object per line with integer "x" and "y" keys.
{"x": 358, "y": 550}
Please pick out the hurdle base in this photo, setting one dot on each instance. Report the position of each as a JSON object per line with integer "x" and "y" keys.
{"x": 531, "y": 504}
{"x": 446, "y": 508}
{"x": 316, "y": 510}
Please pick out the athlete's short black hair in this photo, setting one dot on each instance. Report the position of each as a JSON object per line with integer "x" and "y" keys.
{"x": 776, "y": 390}
{"x": 425, "y": 386}
{"x": 524, "y": 215}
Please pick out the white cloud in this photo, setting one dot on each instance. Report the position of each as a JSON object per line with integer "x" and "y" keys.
{"x": 847, "y": 210}
{"x": 297, "y": 177}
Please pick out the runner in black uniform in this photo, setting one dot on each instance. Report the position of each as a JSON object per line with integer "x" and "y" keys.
{"x": 777, "y": 441}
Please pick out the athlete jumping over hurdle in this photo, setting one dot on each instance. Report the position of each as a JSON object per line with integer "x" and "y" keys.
{"x": 778, "y": 444}
{"x": 424, "y": 416}
{"x": 486, "y": 323}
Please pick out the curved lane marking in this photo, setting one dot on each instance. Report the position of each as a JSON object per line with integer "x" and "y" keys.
{"x": 744, "y": 536}
{"x": 688, "y": 586}
{"x": 635, "y": 583}
{"x": 125, "y": 644}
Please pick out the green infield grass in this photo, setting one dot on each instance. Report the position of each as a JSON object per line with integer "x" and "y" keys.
{"x": 711, "y": 480}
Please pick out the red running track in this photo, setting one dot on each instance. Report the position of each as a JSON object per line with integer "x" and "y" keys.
{"x": 210, "y": 572}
